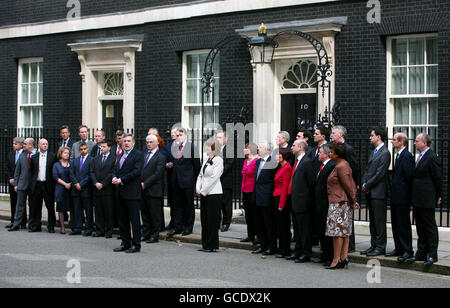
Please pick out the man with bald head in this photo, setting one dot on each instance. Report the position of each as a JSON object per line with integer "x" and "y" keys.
{"x": 42, "y": 188}
{"x": 21, "y": 183}
{"x": 401, "y": 198}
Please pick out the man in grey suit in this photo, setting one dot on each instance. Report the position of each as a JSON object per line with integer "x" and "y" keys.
{"x": 22, "y": 181}
{"x": 83, "y": 132}
{"x": 375, "y": 186}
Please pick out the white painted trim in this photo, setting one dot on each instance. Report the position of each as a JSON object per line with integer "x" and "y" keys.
{"x": 149, "y": 15}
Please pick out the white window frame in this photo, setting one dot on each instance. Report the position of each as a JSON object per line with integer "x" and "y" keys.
{"x": 390, "y": 117}
{"x": 20, "y": 115}
{"x": 185, "y": 106}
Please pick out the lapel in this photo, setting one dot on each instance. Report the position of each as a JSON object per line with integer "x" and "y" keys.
{"x": 372, "y": 157}
{"x": 397, "y": 162}
{"x": 427, "y": 154}
{"x": 126, "y": 159}
{"x": 151, "y": 159}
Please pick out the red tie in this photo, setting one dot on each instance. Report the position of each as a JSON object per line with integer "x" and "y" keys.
{"x": 320, "y": 170}
{"x": 181, "y": 150}
{"x": 118, "y": 152}
{"x": 29, "y": 159}
{"x": 292, "y": 176}
{"x": 64, "y": 144}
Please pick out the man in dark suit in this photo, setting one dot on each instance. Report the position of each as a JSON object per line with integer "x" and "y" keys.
{"x": 226, "y": 180}
{"x": 301, "y": 189}
{"x": 22, "y": 181}
{"x": 126, "y": 177}
{"x": 42, "y": 188}
{"x": 186, "y": 167}
{"x": 116, "y": 149}
{"x": 11, "y": 162}
{"x": 99, "y": 138}
{"x": 306, "y": 136}
{"x": 81, "y": 190}
{"x": 401, "y": 199}
{"x": 426, "y": 194}
{"x": 264, "y": 185}
{"x": 338, "y": 135}
{"x": 103, "y": 193}
{"x": 321, "y": 204}
{"x": 152, "y": 177}
{"x": 169, "y": 172}
{"x": 375, "y": 186}
{"x": 65, "y": 141}
{"x": 321, "y": 136}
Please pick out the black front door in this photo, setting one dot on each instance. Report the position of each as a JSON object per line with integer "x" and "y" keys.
{"x": 298, "y": 111}
{"x": 112, "y": 116}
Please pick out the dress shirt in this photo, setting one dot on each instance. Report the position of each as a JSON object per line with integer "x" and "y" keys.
{"x": 42, "y": 166}
{"x": 324, "y": 164}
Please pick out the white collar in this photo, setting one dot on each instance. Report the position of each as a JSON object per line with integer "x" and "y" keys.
{"x": 400, "y": 152}
{"x": 379, "y": 147}
{"x": 300, "y": 157}
{"x": 326, "y": 162}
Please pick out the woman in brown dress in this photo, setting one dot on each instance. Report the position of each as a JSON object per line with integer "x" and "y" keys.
{"x": 341, "y": 197}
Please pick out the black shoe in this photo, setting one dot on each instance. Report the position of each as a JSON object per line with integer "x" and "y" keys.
{"x": 32, "y": 230}
{"x": 98, "y": 234}
{"x": 375, "y": 253}
{"x": 327, "y": 263}
{"x": 152, "y": 240}
{"x": 365, "y": 252}
{"x": 293, "y": 257}
{"x": 121, "y": 248}
{"x": 62, "y": 232}
{"x": 170, "y": 226}
{"x": 89, "y": 233}
{"x": 75, "y": 233}
{"x": 173, "y": 232}
{"x": 145, "y": 238}
{"x": 393, "y": 253}
{"x": 9, "y": 225}
{"x": 108, "y": 235}
{"x": 209, "y": 250}
{"x": 429, "y": 261}
{"x": 268, "y": 253}
{"x": 225, "y": 228}
{"x": 186, "y": 233}
{"x": 133, "y": 249}
{"x": 337, "y": 266}
{"x": 256, "y": 242}
{"x": 259, "y": 250}
{"x": 14, "y": 229}
{"x": 404, "y": 257}
{"x": 303, "y": 259}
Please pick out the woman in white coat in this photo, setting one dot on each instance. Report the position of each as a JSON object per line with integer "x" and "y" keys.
{"x": 209, "y": 189}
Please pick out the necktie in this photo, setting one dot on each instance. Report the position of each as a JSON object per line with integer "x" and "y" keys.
{"x": 29, "y": 159}
{"x": 103, "y": 160}
{"x": 81, "y": 162}
{"x": 396, "y": 159}
{"x": 42, "y": 168}
{"x": 124, "y": 156}
{"x": 261, "y": 165}
{"x": 292, "y": 176}
{"x": 374, "y": 152}
{"x": 118, "y": 151}
{"x": 180, "y": 151}
{"x": 17, "y": 158}
{"x": 64, "y": 143}
{"x": 418, "y": 159}
{"x": 147, "y": 158}
{"x": 320, "y": 170}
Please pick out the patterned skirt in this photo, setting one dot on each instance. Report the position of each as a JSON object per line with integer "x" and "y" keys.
{"x": 339, "y": 220}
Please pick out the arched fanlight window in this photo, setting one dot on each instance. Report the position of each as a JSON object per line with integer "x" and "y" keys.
{"x": 113, "y": 84}
{"x": 301, "y": 75}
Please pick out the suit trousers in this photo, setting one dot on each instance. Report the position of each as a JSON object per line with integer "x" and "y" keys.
{"x": 170, "y": 200}
{"x": 427, "y": 232}
{"x": 20, "y": 217}
{"x": 104, "y": 213}
{"x": 210, "y": 207}
{"x": 352, "y": 245}
{"x": 377, "y": 223}
{"x": 129, "y": 212}
{"x": 151, "y": 215}
{"x": 266, "y": 227}
{"x": 183, "y": 210}
{"x": 303, "y": 243}
{"x": 227, "y": 206}
{"x": 250, "y": 214}
{"x": 326, "y": 242}
{"x": 81, "y": 205}
{"x": 41, "y": 193}
{"x": 13, "y": 202}
{"x": 283, "y": 226}
{"x": 401, "y": 228}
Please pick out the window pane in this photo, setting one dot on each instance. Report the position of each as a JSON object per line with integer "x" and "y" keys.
{"x": 216, "y": 66}
{"x": 41, "y": 93}
{"x": 432, "y": 57}
{"x": 202, "y": 59}
{"x": 24, "y": 94}
{"x": 191, "y": 91}
{"x": 34, "y": 72}
{"x": 194, "y": 117}
{"x": 432, "y": 80}
{"x": 401, "y": 111}
{"x": 191, "y": 66}
{"x": 33, "y": 93}
{"x": 416, "y": 80}
{"x": 36, "y": 116}
{"x": 398, "y": 80}
{"x": 216, "y": 91}
{"x": 25, "y": 72}
{"x": 418, "y": 111}
{"x": 416, "y": 51}
{"x": 26, "y": 112}
{"x": 433, "y": 111}
{"x": 399, "y": 51}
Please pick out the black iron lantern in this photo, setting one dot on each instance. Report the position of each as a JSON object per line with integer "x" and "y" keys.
{"x": 262, "y": 47}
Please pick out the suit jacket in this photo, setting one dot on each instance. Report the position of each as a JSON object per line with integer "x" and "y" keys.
{"x": 375, "y": 178}
{"x": 427, "y": 181}
{"x": 75, "y": 148}
{"x": 102, "y": 175}
{"x": 94, "y": 152}
{"x": 227, "y": 177}
{"x": 264, "y": 184}
{"x": 208, "y": 180}
{"x": 11, "y": 165}
{"x": 68, "y": 143}
{"x": 185, "y": 169}
{"x": 321, "y": 190}
{"x": 350, "y": 157}
{"x": 22, "y": 175}
{"x": 402, "y": 177}
{"x": 303, "y": 182}
{"x": 34, "y": 171}
{"x": 81, "y": 177}
{"x": 130, "y": 175}
{"x": 152, "y": 175}
{"x": 341, "y": 186}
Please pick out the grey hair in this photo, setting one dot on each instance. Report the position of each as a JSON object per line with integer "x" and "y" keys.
{"x": 326, "y": 148}
{"x": 285, "y": 135}
{"x": 342, "y": 130}
{"x": 153, "y": 137}
{"x": 267, "y": 145}
{"x": 402, "y": 137}
{"x": 129, "y": 135}
{"x": 19, "y": 140}
{"x": 426, "y": 138}
{"x": 154, "y": 128}
{"x": 303, "y": 145}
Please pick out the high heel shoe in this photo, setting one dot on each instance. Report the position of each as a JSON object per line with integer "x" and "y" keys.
{"x": 344, "y": 264}
{"x": 337, "y": 266}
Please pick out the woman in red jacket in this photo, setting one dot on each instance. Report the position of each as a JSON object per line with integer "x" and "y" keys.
{"x": 283, "y": 203}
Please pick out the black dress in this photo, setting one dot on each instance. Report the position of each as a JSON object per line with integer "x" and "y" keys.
{"x": 62, "y": 195}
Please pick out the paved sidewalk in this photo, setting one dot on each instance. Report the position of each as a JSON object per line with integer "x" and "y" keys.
{"x": 238, "y": 230}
